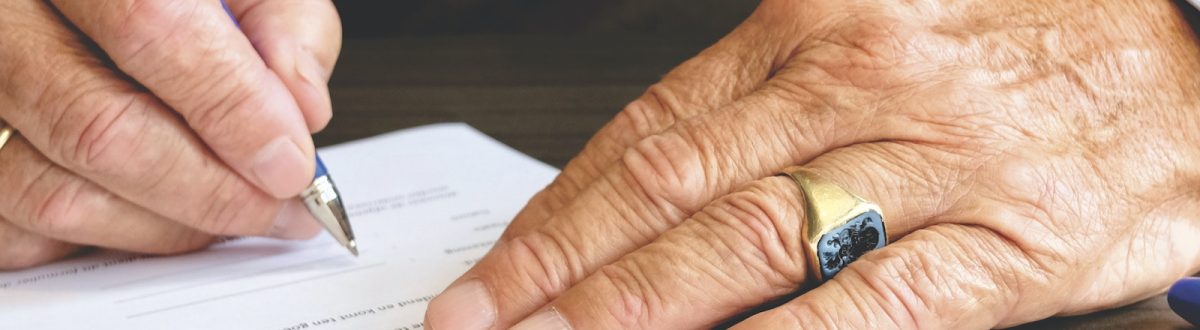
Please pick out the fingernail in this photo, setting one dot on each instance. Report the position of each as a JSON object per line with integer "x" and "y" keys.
{"x": 280, "y": 168}
{"x": 467, "y": 305}
{"x": 294, "y": 222}
{"x": 547, "y": 319}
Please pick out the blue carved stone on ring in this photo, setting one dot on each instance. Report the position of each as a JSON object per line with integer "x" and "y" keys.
{"x": 839, "y": 226}
{"x": 842, "y": 245}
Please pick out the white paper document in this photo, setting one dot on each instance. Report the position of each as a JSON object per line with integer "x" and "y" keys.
{"x": 425, "y": 203}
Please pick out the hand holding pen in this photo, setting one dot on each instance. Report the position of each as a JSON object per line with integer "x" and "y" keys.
{"x": 195, "y": 130}
{"x": 322, "y": 198}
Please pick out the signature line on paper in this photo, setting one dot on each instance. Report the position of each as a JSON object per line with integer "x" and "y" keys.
{"x": 306, "y": 279}
{"x": 212, "y": 266}
{"x": 226, "y": 279}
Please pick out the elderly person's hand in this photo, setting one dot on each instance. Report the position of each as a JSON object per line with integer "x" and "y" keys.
{"x": 1031, "y": 158}
{"x": 155, "y": 125}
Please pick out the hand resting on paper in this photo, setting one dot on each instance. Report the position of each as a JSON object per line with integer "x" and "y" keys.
{"x": 1031, "y": 158}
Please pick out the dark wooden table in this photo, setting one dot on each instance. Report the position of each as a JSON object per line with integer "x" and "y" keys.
{"x": 545, "y": 95}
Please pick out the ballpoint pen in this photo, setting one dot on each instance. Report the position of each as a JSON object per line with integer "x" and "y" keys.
{"x": 322, "y": 197}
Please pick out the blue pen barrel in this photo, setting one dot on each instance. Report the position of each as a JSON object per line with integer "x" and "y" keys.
{"x": 230, "y": 12}
{"x": 1184, "y": 298}
{"x": 321, "y": 171}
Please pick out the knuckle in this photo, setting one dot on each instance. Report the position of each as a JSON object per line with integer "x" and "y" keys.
{"x": 880, "y": 36}
{"x": 811, "y": 314}
{"x": 97, "y": 139}
{"x": 219, "y": 110}
{"x": 60, "y": 211}
{"x": 668, "y": 169}
{"x": 1010, "y": 269}
{"x": 891, "y": 277}
{"x": 930, "y": 186}
{"x": 204, "y": 94}
{"x": 1036, "y": 205}
{"x": 765, "y": 217}
{"x": 873, "y": 41}
{"x": 137, "y": 31}
{"x": 136, "y": 14}
{"x": 232, "y": 209}
{"x": 111, "y": 141}
{"x": 540, "y": 262}
{"x": 932, "y": 270}
{"x": 871, "y": 51}
{"x": 652, "y": 112}
{"x": 635, "y": 297}
{"x": 1026, "y": 184}
{"x": 541, "y": 205}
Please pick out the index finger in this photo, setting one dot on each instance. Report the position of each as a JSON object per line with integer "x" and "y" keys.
{"x": 192, "y": 56}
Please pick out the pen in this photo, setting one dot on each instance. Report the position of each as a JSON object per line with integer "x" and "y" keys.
{"x": 322, "y": 197}
{"x": 1184, "y": 298}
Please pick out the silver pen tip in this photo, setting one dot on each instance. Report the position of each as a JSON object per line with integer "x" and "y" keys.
{"x": 324, "y": 201}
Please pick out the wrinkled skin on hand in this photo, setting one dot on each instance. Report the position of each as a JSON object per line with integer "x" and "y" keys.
{"x": 1032, "y": 158}
{"x": 156, "y": 126}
